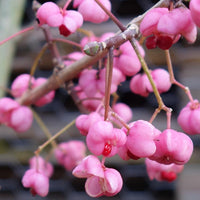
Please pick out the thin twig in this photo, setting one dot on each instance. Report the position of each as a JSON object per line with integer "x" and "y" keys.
{"x": 109, "y": 70}
{"x": 114, "y": 19}
{"x": 161, "y": 105}
{"x": 41, "y": 147}
{"x": 43, "y": 127}
{"x": 52, "y": 45}
{"x": 66, "y": 5}
{"x": 67, "y": 42}
{"x": 172, "y": 77}
{"x": 36, "y": 61}
{"x": 17, "y": 34}
{"x": 118, "y": 118}
{"x": 147, "y": 72}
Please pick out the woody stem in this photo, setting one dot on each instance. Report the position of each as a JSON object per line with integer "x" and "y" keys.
{"x": 109, "y": 70}
{"x": 161, "y": 105}
{"x": 172, "y": 77}
{"x": 41, "y": 147}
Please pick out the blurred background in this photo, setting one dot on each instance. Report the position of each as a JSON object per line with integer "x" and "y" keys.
{"x": 17, "y": 56}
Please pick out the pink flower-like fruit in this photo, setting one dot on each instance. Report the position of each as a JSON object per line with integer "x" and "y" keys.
{"x": 88, "y": 7}
{"x": 69, "y": 154}
{"x": 48, "y": 98}
{"x": 68, "y": 21}
{"x": 44, "y": 167}
{"x": 179, "y": 22}
{"x": 128, "y": 61}
{"x": 21, "y": 84}
{"x": 15, "y": 116}
{"x": 104, "y": 139}
{"x": 84, "y": 122}
{"x": 7, "y": 105}
{"x": 162, "y": 172}
{"x": 21, "y": 119}
{"x": 172, "y": 147}
{"x": 49, "y": 13}
{"x": 195, "y": 11}
{"x": 72, "y": 20}
{"x": 141, "y": 139}
{"x": 189, "y": 118}
{"x": 123, "y": 110}
{"x": 100, "y": 179}
{"x": 141, "y": 85}
{"x": 37, "y": 182}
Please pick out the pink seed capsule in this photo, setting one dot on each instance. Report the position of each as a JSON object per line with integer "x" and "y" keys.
{"x": 88, "y": 7}
{"x": 21, "y": 84}
{"x": 179, "y": 22}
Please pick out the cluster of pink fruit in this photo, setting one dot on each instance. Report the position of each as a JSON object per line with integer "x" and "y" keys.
{"x": 16, "y": 116}
{"x": 68, "y": 21}
{"x": 165, "y": 152}
{"x": 141, "y": 140}
{"x": 37, "y": 177}
{"x": 125, "y": 63}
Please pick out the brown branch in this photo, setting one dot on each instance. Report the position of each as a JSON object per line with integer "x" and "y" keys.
{"x": 58, "y": 79}
{"x": 68, "y": 73}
